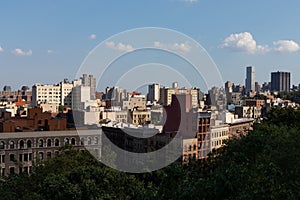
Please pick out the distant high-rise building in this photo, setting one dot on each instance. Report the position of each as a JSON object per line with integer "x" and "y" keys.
{"x": 257, "y": 87}
{"x": 61, "y": 94}
{"x": 116, "y": 95}
{"x": 266, "y": 86}
{"x": 166, "y": 93}
{"x": 280, "y": 81}
{"x": 228, "y": 87}
{"x": 175, "y": 85}
{"x": 91, "y": 82}
{"x": 250, "y": 79}
{"x": 153, "y": 92}
{"x": 81, "y": 95}
{"x": 6, "y": 88}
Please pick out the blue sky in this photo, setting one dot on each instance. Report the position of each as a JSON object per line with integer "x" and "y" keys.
{"x": 46, "y": 41}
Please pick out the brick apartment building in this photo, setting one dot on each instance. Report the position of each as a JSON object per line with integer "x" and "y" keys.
{"x": 35, "y": 120}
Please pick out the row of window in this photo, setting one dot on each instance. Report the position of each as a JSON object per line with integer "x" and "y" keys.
{"x": 50, "y": 89}
{"x": 22, "y": 157}
{"x": 143, "y": 116}
{"x": 50, "y": 97}
{"x": 48, "y": 143}
{"x": 190, "y": 148}
{"x": 27, "y": 169}
{"x": 219, "y": 134}
{"x": 216, "y": 143}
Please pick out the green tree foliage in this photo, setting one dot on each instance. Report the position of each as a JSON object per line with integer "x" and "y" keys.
{"x": 293, "y": 96}
{"x": 73, "y": 174}
{"x": 264, "y": 164}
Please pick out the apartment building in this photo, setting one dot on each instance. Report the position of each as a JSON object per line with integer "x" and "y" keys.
{"x": 19, "y": 151}
{"x": 166, "y": 95}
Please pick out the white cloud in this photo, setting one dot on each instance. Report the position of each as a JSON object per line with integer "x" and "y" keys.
{"x": 20, "y": 52}
{"x": 93, "y": 36}
{"x": 183, "y": 47}
{"x": 243, "y": 42}
{"x": 286, "y": 46}
{"x": 49, "y": 51}
{"x": 120, "y": 46}
{"x": 1, "y": 49}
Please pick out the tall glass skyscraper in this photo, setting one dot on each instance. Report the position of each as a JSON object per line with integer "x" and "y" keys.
{"x": 250, "y": 79}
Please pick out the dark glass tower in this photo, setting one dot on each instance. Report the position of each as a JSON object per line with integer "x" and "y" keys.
{"x": 280, "y": 81}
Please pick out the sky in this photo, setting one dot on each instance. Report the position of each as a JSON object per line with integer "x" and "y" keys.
{"x": 47, "y": 41}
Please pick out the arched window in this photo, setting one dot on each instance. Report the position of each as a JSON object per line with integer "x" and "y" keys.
{"x": 89, "y": 140}
{"x": 49, "y": 143}
{"x": 81, "y": 141}
{"x": 67, "y": 141}
{"x": 12, "y": 145}
{"x": 21, "y": 144}
{"x": 56, "y": 143}
{"x": 29, "y": 145}
{"x": 73, "y": 141}
{"x": 2, "y": 145}
{"x": 41, "y": 143}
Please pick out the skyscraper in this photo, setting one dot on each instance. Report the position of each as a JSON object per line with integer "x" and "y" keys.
{"x": 280, "y": 81}
{"x": 153, "y": 92}
{"x": 91, "y": 82}
{"x": 250, "y": 79}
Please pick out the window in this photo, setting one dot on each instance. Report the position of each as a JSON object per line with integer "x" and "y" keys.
{"x": 2, "y": 145}
{"x": 26, "y": 170}
{"x": 25, "y": 157}
{"x": 49, "y": 143}
{"x": 29, "y": 144}
{"x": 81, "y": 141}
{"x": 12, "y": 157}
{"x": 73, "y": 141}
{"x": 48, "y": 155}
{"x": 12, "y": 145}
{"x": 41, "y": 143}
{"x": 41, "y": 155}
{"x": 21, "y": 144}
{"x": 56, "y": 143}
{"x": 67, "y": 141}
{"x": 20, "y": 157}
{"x": 96, "y": 140}
{"x": 3, "y": 158}
{"x": 89, "y": 140}
{"x": 30, "y": 156}
{"x": 12, "y": 170}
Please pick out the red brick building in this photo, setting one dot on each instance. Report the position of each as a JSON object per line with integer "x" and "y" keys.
{"x": 35, "y": 120}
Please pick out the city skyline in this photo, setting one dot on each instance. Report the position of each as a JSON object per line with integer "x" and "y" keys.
{"x": 146, "y": 88}
{"x": 42, "y": 43}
